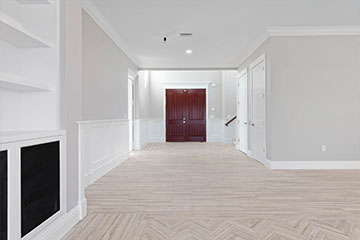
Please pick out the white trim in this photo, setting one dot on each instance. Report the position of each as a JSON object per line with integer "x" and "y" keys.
{"x": 186, "y": 85}
{"x": 86, "y": 175}
{"x": 296, "y": 31}
{"x": 255, "y": 44}
{"x": 101, "y": 121}
{"x": 132, "y": 75}
{"x": 255, "y": 63}
{"x": 18, "y": 141}
{"x": 105, "y": 25}
{"x": 314, "y": 165}
{"x": 241, "y": 73}
{"x": 61, "y": 226}
{"x": 314, "y": 30}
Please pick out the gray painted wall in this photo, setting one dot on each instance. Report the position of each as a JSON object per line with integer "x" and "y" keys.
{"x": 93, "y": 82}
{"x": 105, "y": 74}
{"x": 315, "y": 98}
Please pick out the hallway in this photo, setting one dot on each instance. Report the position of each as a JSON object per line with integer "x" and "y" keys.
{"x": 212, "y": 191}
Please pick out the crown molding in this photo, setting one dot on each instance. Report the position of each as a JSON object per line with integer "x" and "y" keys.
{"x": 296, "y": 31}
{"x": 255, "y": 44}
{"x": 105, "y": 25}
{"x": 190, "y": 69}
{"x": 313, "y": 31}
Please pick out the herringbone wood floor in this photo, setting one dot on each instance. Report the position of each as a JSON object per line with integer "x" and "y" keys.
{"x": 212, "y": 191}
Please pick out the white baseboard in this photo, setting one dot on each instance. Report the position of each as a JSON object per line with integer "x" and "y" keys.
{"x": 83, "y": 208}
{"x": 144, "y": 142}
{"x": 314, "y": 165}
{"x": 215, "y": 139}
{"x": 59, "y": 227}
{"x": 156, "y": 139}
{"x": 106, "y": 167}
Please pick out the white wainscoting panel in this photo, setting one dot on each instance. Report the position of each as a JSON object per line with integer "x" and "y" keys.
{"x": 216, "y": 130}
{"x": 156, "y": 130}
{"x": 141, "y": 132}
{"x": 152, "y": 130}
{"x": 102, "y": 146}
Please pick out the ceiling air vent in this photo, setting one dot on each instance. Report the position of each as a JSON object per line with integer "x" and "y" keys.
{"x": 186, "y": 34}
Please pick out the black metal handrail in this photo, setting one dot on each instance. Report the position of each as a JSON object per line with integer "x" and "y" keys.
{"x": 230, "y": 121}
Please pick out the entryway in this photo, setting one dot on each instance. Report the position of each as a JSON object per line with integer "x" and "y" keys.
{"x": 185, "y": 115}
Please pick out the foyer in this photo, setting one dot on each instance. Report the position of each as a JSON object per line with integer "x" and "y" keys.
{"x": 179, "y": 119}
{"x": 212, "y": 191}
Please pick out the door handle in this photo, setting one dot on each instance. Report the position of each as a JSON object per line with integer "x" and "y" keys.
{"x": 184, "y": 118}
{"x": 245, "y": 123}
{"x": 253, "y": 125}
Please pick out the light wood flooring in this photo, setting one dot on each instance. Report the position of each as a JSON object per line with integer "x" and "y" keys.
{"x": 212, "y": 191}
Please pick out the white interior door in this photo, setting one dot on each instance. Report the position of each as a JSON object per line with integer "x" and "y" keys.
{"x": 243, "y": 113}
{"x": 258, "y": 132}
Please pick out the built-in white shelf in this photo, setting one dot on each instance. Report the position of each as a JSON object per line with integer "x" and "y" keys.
{"x": 16, "y": 83}
{"x": 15, "y": 136}
{"x": 35, "y": 2}
{"x": 12, "y": 32}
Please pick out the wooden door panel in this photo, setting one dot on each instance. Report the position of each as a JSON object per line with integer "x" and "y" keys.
{"x": 185, "y": 115}
{"x": 175, "y": 112}
{"x": 196, "y": 115}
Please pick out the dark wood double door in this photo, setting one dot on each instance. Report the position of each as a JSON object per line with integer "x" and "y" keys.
{"x": 185, "y": 115}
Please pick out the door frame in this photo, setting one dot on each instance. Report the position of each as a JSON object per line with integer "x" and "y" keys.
{"x": 132, "y": 76}
{"x": 242, "y": 73}
{"x": 253, "y": 64}
{"x": 186, "y": 85}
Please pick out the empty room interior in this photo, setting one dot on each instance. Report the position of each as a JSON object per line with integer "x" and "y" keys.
{"x": 179, "y": 119}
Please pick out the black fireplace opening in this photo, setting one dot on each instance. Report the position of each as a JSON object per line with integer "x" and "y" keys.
{"x": 3, "y": 194}
{"x": 40, "y": 184}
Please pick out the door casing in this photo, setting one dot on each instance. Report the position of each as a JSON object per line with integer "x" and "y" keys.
{"x": 182, "y": 85}
{"x": 240, "y": 122}
{"x": 253, "y": 65}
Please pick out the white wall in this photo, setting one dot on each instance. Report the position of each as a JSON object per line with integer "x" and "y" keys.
{"x": 150, "y": 102}
{"x": 315, "y": 94}
{"x": 37, "y": 110}
{"x": 229, "y": 103}
{"x": 142, "y": 95}
{"x": 105, "y": 73}
{"x": 71, "y": 93}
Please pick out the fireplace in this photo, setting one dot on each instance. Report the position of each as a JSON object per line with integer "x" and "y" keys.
{"x": 3, "y": 194}
{"x": 40, "y": 184}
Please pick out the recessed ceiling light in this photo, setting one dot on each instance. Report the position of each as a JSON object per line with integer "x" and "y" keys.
{"x": 189, "y": 51}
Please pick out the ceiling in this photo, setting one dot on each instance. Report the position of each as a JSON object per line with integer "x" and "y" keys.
{"x": 222, "y": 29}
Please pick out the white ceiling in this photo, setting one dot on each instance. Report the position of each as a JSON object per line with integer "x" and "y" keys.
{"x": 222, "y": 29}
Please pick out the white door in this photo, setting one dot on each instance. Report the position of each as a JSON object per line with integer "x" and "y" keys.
{"x": 243, "y": 113}
{"x": 258, "y": 132}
